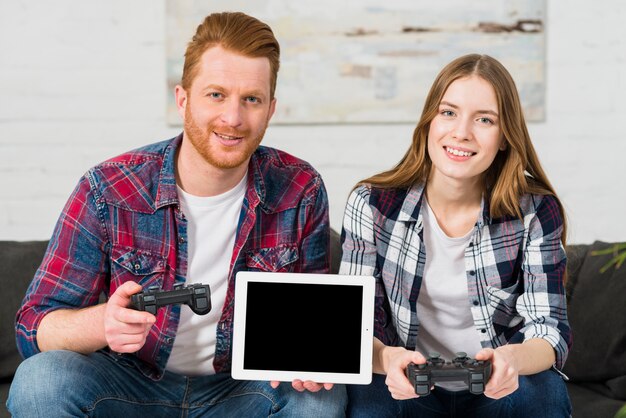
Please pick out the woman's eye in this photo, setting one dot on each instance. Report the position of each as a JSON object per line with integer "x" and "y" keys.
{"x": 486, "y": 120}
{"x": 447, "y": 113}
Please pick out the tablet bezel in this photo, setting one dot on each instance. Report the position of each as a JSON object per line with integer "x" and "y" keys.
{"x": 367, "y": 327}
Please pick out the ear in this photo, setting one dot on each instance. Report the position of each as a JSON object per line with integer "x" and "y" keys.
{"x": 272, "y": 109}
{"x": 503, "y": 145}
{"x": 180, "y": 96}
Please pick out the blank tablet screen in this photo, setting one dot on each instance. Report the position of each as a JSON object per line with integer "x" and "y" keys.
{"x": 303, "y": 327}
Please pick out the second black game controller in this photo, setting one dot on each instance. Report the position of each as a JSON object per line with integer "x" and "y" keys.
{"x": 197, "y": 296}
{"x": 474, "y": 373}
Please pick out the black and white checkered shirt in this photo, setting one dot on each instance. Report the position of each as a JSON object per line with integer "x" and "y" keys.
{"x": 515, "y": 268}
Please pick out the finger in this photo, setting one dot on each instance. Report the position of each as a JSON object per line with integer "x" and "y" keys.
{"x": 131, "y": 316}
{"x": 485, "y": 354}
{"x": 124, "y": 343}
{"x": 328, "y": 386}
{"x": 274, "y": 384}
{"x": 121, "y": 341}
{"x": 298, "y": 385}
{"x": 402, "y": 395}
{"x": 499, "y": 385}
{"x": 128, "y": 348}
{"x": 121, "y": 296}
{"x": 499, "y": 393}
{"x": 312, "y": 386}
{"x": 132, "y": 329}
{"x": 418, "y": 358}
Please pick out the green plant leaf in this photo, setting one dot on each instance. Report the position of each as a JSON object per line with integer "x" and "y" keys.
{"x": 619, "y": 251}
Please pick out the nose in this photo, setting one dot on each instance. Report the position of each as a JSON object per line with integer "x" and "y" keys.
{"x": 462, "y": 129}
{"x": 231, "y": 113}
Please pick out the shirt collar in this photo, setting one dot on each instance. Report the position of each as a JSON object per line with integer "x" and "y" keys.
{"x": 166, "y": 192}
{"x": 168, "y": 195}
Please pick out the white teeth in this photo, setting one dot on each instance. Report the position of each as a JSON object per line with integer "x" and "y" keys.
{"x": 459, "y": 152}
{"x": 228, "y": 137}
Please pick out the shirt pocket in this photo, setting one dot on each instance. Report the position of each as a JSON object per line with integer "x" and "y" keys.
{"x": 274, "y": 259}
{"x": 132, "y": 264}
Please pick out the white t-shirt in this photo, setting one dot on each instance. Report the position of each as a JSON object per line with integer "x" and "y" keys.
{"x": 212, "y": 225}
{"x": 443, "y": 310}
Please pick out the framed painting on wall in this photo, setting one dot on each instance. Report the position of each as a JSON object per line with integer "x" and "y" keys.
{"x": 369, "y": 61}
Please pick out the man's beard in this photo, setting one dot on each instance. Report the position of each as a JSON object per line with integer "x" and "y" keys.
{"x": 213, "y": 152}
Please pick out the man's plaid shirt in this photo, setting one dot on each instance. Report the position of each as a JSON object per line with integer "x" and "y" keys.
{"x": 515, "y": 268}
{"x": 123, "y": 223}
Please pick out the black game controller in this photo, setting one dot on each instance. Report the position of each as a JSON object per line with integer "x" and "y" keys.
{"x": 197, "y": 296}
{"x": 474, "y": 373}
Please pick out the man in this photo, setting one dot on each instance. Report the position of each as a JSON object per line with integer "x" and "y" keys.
{"x": 194, "y": 209}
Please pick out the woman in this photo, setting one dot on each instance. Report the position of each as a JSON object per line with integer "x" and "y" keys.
{"x": 465, "y": 237}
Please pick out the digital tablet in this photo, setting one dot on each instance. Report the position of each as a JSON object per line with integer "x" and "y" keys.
{"x": 304, "y": 326}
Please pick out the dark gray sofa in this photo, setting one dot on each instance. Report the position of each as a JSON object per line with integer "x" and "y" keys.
{"x": 596, "y": 365}
{"x": 18, "y": 262}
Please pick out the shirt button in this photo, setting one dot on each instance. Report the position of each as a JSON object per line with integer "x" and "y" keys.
{"x": 472, "y": 272}
{"x": 169, "y": 340}
{"x": 181, "y": 240}
{"x": 483, "y": 330}
{"x": 475, "y": 303}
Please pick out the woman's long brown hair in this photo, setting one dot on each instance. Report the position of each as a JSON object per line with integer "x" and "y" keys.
{"x": 514, "y": 172}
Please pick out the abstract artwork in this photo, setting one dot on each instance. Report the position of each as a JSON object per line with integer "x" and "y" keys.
{"x": 366, "y": 61}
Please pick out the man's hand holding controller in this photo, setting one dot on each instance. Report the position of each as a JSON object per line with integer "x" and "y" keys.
{"x": 126, "y": 329}
{"x": 131, "y": 310}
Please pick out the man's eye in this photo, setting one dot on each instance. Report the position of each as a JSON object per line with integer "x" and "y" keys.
{"x": 252, "y": 99}
{"x": 215, "y": 95}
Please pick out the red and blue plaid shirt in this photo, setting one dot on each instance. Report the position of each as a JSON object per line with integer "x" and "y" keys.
{"x": 514, "y": 268}
{"x": 123, "y": 223}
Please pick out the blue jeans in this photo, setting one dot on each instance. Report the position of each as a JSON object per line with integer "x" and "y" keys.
{"x": 68, "y": 384}
{"x": 538, "y": 396}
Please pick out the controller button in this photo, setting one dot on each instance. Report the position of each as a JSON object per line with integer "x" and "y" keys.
{"x": 421, "y": 389}
{"x": 202, "y": 303}
{"x": 200, "y": 291}
{"x": 421, "y": 378}
{"x": 477, "y": 387}
{"x": 476, "y": 377}
{"x": 149, "y": 298}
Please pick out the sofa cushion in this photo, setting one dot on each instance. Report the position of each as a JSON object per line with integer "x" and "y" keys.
{"x": 575, "y": 256}
{"x": 18, "y": 263}
{"x": 591, "y": 400}
{"x": 597, "y": 314}
{"x": 335, "y": 251}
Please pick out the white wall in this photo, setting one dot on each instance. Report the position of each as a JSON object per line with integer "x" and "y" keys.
{"x": 84, "y": 80}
